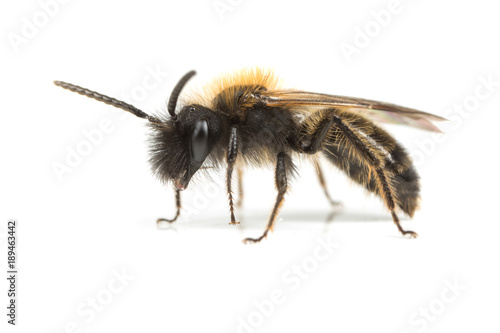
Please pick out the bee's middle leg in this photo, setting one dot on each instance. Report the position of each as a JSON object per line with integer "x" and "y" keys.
{"x": 322, "y": 182}
{"x": 312, "y": 144}
{"x": 284, "y": 166}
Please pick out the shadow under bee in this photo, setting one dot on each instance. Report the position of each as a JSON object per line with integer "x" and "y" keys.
{"x": 298, "y": 220}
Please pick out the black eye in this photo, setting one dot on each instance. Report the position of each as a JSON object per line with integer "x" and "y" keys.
{"x": 199, "y": 141}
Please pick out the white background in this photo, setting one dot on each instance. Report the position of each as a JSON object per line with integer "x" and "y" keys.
{"x": 76, "y": 233}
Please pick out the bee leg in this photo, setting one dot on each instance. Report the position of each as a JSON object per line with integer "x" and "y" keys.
{"x": 232, "y": 152}
{"x": 177, "y": 204}
{"x": 390, "y": 202}
{"x": 323, "y": 184}
{"x": 348, "y": 136}
{"x": 283, "y": 166}
{"x": 313, "y": 146}
{"x": 369, "y": 156}
{"x": 314, "y": 142}
{"x": 239, "y": 170}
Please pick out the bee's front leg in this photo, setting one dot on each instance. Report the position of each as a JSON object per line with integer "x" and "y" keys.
{"x": 232, "y": 152}
{"x": 239, "y": 170}
{"x": 177, "y": 204}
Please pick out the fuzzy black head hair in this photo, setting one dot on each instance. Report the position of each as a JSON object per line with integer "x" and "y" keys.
{"x": 179, "y": 145}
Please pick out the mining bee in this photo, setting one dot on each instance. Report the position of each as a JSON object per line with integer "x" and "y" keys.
{"x": 247, "y": 119}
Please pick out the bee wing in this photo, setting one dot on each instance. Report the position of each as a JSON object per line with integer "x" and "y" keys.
{"x": 375, "y": 110}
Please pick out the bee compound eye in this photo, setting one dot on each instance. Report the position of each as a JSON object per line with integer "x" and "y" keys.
{"x": 199, "y": 141}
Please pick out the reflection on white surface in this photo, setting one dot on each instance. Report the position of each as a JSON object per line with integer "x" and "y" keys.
{"x": 313, "y": 219}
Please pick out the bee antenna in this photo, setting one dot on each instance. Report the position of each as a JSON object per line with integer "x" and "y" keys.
{"x": 172, "y": 102}
{"x": 106, "y": 99}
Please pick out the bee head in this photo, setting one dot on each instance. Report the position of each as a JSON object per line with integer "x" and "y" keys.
{"x": 180, "y": 145}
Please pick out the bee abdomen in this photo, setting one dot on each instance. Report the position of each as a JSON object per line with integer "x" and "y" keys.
{"x": 400, "y": 171}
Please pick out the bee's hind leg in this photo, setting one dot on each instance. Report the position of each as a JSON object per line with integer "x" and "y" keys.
{"x": 347, "y": 135}
{"x": 368, "y": 153}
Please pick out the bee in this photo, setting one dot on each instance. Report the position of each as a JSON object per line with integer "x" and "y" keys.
{"x": 247, "y": 119}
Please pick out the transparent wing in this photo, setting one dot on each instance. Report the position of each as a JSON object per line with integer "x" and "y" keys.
{"x": 375, "y": 110}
